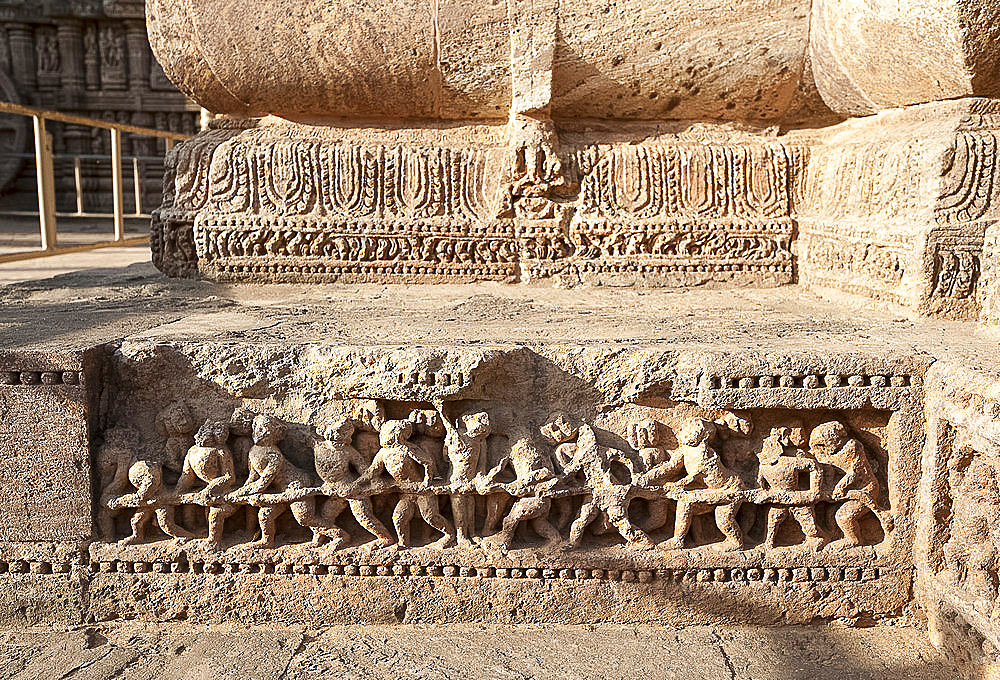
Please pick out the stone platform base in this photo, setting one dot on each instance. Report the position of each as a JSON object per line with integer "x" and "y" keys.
{"x": 571, "y": 399}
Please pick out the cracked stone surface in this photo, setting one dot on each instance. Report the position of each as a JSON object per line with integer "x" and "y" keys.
{"x": 182, "y": 651}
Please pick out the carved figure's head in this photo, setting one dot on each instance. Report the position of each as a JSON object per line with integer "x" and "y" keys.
{"x": 268, "y": 430}
{"x": 828, "y": 437}
{"x": 647, "y": 434}
{"x": 213, "y": 433}
{"x": 340, "y": 431}
{"x": 241, "y": 422}
{"x": 796, "y": 435}
{"x": 696, "y": 431}
{"x": 146, "y": 475}
{"x": 427, "y": 422}
{"x": 395, "y": 432}
{"x": 370, "y": 416}
{"x": 559, "y": 428}
{"x": 476, "y": 425}
{"x": 175, "y": 420}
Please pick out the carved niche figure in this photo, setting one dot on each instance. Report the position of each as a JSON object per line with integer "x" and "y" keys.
{"x": 606, "y": 496}
{"x": 271, "y": 471}
{"x": 972, "y": 552}
{"x": 403, "y": 461}
{"x": 147, "y": 478}
{"x": 112, "y": 461}
{"x": 535, "y": 475}
{"x": 858, "y": 489}
{"x": 465, "y": 447}
{"x": 647, "y": 437}
{"x": 338, "y": 464}
{"x": 210, "y": 462}
{"x": 175, "y": 423}
{"x": 707, "y": 487}
{"x": 782, "y": 462}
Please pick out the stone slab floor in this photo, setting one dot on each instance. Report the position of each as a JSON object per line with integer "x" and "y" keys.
{"x": 132, "y": 651}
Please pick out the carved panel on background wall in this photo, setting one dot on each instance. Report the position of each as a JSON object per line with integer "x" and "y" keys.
{"x": 439, "y": 474}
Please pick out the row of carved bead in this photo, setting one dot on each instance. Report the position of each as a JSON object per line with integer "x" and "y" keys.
{"x": 40, "y": 377}
{"x": 704, "y": 575}
{"x": 812, "y": 381}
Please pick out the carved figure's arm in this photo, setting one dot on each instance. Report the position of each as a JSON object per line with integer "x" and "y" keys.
{"x": 375, "y": 469}
{"x": 259, "y": 479}
{"x": 426, "y": 459}
{"x": 188, "y": 477}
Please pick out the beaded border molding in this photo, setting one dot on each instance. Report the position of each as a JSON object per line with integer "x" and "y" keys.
{"x": 41, "y": 378}
{"x": 812, "y": 381}
{"x": 690, "y": 575}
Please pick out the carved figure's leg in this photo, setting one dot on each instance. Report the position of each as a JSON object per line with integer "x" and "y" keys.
{"x": 682, "y": 524}
{"x": 847, "y": 517}
{"x": 401, "y": 518}
{"x": 139, "y": 520}
{"x": 269, "y": 524}
{"x": 618, "y": 517}
{"x": 496, "y": 505}
{"x": 725, "y": 518}
{"x": 775, "y": 516}
{"x": 463, "y": 510}
{"x": 365, "y": 514}
{"x": 588, "y": 513}
{"x": 106, "y": 522}
{"x": 165, "y": 520}
{"x": 304, "y": 512}
{"x": 528, "y": 509}
{"x": 806, "y": 517}
{"x": 428, "y": 507}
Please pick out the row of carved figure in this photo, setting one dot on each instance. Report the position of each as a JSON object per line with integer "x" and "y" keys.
{"x": 431, "y": 456}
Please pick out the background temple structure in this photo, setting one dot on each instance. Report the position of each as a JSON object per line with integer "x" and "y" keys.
{"x": 711, "y": 340}
{"x": 91, "y": 58}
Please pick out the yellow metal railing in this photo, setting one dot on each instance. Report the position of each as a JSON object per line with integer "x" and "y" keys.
{"x": 45, "y": 171}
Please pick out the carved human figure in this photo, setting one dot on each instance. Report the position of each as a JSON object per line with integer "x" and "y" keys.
{"x": 403, "y": 461}
{"x": 338, "y": 464}
{"x": 175, "y": 423}
{"x": 782, "y": 462}
{"x": 858, "y": 490}
{"x": 271, "y": 472}
{"x": 147, "y": 478}
{"x": 210, "y": 462}
{"x": 647, "y": 437}
{"x": 465, "y": 448}
{"x": 535, "y": 474}
{"x": 560, "y": 431}
{"x": 972, "y": 551}
{"x": 240, "y": 443}
{"x": 606, "y": 496}
{"x": 708, "y": 486}
{"x": 112, "y": 461}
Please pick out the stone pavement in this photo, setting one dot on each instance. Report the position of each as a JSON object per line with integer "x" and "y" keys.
{"x": 134, "y": 651}
{"x": 57, "y": 265}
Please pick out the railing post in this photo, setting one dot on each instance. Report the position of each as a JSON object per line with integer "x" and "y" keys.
{"x": 116, "y": 183}
{"x": 46, "y": 186}
{"x": 137, "y": 186}
{"x": 78, "y": 182}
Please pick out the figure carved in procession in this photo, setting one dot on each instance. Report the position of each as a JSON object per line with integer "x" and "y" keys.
{"x": 271, "y": 472}
{"x": 412, "y": 470}
{"x": 783, "y": 460}
{"x": 113, "y": 460}
{"x": 859, "y": 490}
{"x": 465, "y": 448}
{"x": 209, "y": 462}
{"x": 147, "y": 478}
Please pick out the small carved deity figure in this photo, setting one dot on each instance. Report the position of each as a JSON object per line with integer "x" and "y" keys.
{"x": 709, "y": 486}
{"x": 271, "y": 471}
{"x": 606, "y": 495}
{"x": 147, "y": 478}
{"x": 535, "y": 474}
{"x": 210, "y": 462}
{"x": 338, "y": 463}
{"x": 113, "y": 460}
{"x": 465, "y": 447}
{"x": 176, "y": 424}
{"x": 858, "y": 490}
{"x": 782, "y": 462}
{"x": 973, "y": 549}
{"x": 403, "y": 461}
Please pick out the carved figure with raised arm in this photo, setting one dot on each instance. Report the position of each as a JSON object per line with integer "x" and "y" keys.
{"x": 465, "y": 448}
{"x": 783, "y": 461}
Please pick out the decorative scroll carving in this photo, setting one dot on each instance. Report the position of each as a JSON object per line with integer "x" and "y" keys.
{"x": 969, "y": 179}
{"x": 557, "y": 481}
